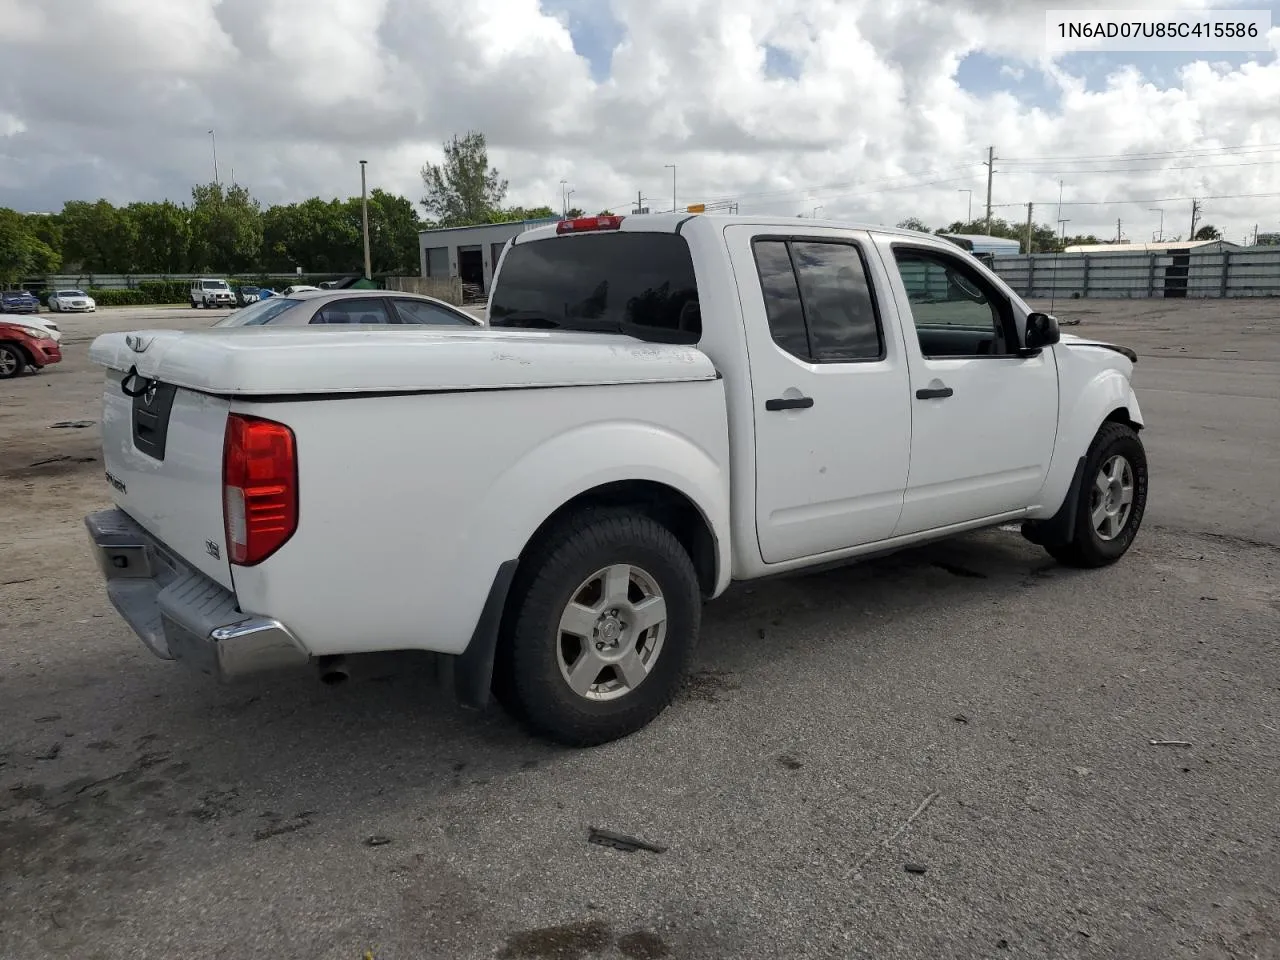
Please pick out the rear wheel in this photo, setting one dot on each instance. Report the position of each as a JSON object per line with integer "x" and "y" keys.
{"x": 601, "y": 630}
{"x": 1112, "y": 500}
{"x": 12, "y": 361}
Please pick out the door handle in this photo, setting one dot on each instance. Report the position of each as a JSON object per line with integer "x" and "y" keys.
{"x": 789, "y": 403}
{"x": 933, "y": 393}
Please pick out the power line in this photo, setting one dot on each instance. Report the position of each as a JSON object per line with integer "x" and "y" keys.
{"x": 1189, "y": 166}
{"x": 1248, "y": 147}
{"x": 1109, "y": 203}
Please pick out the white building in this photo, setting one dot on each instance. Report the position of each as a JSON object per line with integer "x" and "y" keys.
{"x": 1168, "y": 246}
{"x": 470, "y": 253}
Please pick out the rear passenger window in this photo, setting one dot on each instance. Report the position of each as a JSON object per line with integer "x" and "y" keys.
{"x": 819, "y": 301}
{"x": 364, "y": 310}
{"x": 417, "y": 311}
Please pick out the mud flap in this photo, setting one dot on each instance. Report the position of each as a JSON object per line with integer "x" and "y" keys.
{"x": 1060, "y": 528}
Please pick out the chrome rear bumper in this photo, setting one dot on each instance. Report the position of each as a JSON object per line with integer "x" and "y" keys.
{"x": 178, "y": 612}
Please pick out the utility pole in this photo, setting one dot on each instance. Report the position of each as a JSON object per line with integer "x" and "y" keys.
{"x": 564, "y": 200}
{"x": 214, "y": 141}
{"x": 639, "y": 202}
{"x": 1159, "y": 210}
{"x": 1195, "y": 215}
{"x": 991, "y": 169}
{"x": 968, "y": 217}
{"x": 364, "y": 216}
{"x": 1059, "y": 199}
{"x": 672, "y": 168}
{"x": 1117, "y": 229}
{"x": 1029, "y": 209}
{"x": 1255, "y": 234}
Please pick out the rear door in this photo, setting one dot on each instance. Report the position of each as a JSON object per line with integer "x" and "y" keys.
{"x": 829, "y": 385}
{"x": 162, "y": 451}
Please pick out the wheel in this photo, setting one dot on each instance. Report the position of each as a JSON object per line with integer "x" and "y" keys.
{"x": 1112, "y": 500}
{"x": 600, "y": 630}
{"x": 12, "y": 361}
{"x": 193, "y": 304}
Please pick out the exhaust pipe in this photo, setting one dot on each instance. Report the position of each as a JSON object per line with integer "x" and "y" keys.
{"x": 333, "y": 670}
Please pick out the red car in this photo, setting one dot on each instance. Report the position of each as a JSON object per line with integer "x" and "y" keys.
{"x": 23, "y": 346}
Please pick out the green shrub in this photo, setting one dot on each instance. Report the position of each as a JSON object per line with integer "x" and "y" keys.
{"x": 122, "y": 298}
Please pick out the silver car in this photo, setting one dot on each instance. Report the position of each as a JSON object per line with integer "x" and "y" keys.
{"x": 376, "y": 307}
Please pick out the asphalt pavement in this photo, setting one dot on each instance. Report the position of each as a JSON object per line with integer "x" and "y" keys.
{"x": 944, "y": 753}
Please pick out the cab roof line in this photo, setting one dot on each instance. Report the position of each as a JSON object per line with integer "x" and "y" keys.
{"x": 680, "y": 225}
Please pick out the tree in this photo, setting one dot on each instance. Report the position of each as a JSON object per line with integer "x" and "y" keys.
{"x": 514, "y": 214}
{"x": 393, "y": 233}
{"x": 98, "y": 237}
{"x": 573, "y": 213}
{"x": 21, "y": 252}
{"x": 163, "y": 240}
{"x": 321, "y": 236}
{"x": 914, "y": 223}
{"x": 226, "y": 228}
{"x": 606, "y": 213}
{"x": 1208, "y": 232}
{"x": 464, "y": 189}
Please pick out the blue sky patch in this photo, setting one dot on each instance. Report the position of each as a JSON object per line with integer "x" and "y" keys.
{"x": 594, "y": 29}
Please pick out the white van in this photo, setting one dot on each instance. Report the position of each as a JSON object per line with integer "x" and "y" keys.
{"x": 209, "y": 293}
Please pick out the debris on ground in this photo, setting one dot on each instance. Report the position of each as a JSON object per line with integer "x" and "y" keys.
{"x": 72, "y": 424}
{"x": 620, "y": 841}
{"x": 888, "y": 841}
{"x": 377, "y": 841}
{"x": 1169, "y": 743}
{"x": 916, "y": 868}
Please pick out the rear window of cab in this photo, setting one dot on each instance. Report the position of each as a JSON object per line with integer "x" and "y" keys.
{"x": 639, "y": 284}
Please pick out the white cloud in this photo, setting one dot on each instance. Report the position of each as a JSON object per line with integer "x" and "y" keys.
{"x": 115, "y": 98}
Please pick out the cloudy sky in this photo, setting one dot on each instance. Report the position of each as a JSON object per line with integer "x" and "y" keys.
{"x": 869, "y": 109}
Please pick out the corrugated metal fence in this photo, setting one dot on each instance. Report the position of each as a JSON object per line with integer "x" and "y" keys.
{"x": 1221, "y": 273}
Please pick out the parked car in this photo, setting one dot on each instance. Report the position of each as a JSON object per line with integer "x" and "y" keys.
{"x": 19, "y": 301}
{"x": 345, "y": 307}
{"x": 246, "y": 295}
{"x": 210, "y": 293}
{"x": 299, "y": 288}
{"x": 44, "y": 323}
{"x": 24, "y": 344}
{"x": 71, "y": 301}
{"x": 660, "y": 405}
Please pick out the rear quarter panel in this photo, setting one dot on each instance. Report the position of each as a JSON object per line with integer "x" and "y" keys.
{"x": 409, "y": 504}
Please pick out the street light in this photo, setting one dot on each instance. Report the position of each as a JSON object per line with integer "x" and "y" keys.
{"x": 1160, "y": 211}
{"x": 364, "y": 216}
{"x": 564, "y": 200}
{"x": 968, "y": 217}
{"x": 672, "y": 168}
{"x": 1062, "y": 227}
{"x": 213, "y": 140}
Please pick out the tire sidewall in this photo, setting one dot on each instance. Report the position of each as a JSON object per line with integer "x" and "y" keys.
{"x": 1123, "y": 441}
{"x": 541, "y": 687}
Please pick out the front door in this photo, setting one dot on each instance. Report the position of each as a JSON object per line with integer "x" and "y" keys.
{"x": 983, "y": 418}
{"x": 828, "y": 378}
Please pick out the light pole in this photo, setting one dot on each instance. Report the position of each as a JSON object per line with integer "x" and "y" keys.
{"x": 672, "y": 168}
{"x": 564, "y": 200}
{"x": 1159, "y": 210}
{"x": 213, "y": 140}
{"x": 1062, "y": 227}
{"x": 364, "y": 215}
{"x": 968, "y": 217}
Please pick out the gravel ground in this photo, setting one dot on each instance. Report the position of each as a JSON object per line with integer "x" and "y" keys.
{"x": 945, "y": 753}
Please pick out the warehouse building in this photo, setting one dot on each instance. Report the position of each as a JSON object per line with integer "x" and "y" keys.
{"x": 469, "y": 253}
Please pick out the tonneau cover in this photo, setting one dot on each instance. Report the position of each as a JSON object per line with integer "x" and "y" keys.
{"x": 261, "y": 361}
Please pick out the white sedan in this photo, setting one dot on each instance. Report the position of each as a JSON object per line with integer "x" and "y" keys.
{"x": 69, "y": 301}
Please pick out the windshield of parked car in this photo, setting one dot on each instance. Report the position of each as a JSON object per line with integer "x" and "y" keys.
{"x": 71, "y": 293}
{"x": 256, "y": 314}
{"x": 640, "y": 284}
{"x": 215, "y": 285}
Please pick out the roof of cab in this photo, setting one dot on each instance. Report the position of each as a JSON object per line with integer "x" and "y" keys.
{"x": 674, "y": 222}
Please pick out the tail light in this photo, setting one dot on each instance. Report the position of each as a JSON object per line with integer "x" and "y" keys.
{"x": 584, "y": 224}
{"x": 259, "y": 488}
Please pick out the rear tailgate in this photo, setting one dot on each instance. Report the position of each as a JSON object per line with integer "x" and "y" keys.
{"x": 162, "y": 451}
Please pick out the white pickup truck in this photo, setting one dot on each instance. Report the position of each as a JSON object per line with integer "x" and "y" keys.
{"x": 661, "y": 405}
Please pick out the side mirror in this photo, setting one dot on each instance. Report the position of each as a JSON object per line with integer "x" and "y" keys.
{"x": 1042, "y": 331}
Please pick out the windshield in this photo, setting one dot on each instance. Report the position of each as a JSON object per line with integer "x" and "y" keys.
{"x": 215, "y": 285}
{"x": 70, "y": 293}
{"x": 256, "y": 314}
{"x": 641, "y": 284}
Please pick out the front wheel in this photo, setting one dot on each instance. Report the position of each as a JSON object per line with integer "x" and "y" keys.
{"x": 12, "y": 361}
{"x": 1112, "y": 500}
{"x": 601, "y": 629}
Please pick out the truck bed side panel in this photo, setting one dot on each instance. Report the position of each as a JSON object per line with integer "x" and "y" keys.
{"x": 409, "y": 504}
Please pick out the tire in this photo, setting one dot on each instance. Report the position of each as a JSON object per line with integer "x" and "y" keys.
{"x": 575, "y": 578}
{"x": 193, "y": 304}
{"x": 12, "y": 361}
{"x": 1117, "y": 461}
